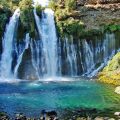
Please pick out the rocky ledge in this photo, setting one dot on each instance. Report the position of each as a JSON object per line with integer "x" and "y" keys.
{"x": 81, "y": 114}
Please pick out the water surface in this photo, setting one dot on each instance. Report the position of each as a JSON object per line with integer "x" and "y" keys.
{"x": 69, "y": 93}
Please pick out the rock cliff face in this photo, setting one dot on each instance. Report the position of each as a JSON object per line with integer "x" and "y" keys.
{"x": 97, "y": 1}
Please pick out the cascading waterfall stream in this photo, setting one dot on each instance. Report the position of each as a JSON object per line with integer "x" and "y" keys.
{"x": 20, "y": 55}
{"x": 47, "y": 31}
{"x": 6, "y": 60}
{"x": 71, "y": 57}
{"x": 49, "y": 56}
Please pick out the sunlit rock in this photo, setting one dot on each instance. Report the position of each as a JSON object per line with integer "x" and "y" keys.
{"x": 117, "y": 90}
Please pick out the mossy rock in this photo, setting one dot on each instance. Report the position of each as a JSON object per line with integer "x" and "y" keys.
{"x": 113, "y": 64}
{"x": 111, "y": 73}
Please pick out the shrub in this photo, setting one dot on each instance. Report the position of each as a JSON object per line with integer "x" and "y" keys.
{"x": 39, "y": 10}
{"x": 53, "y": 5}
{"x": 27, "y": 17}
{"x": 70, "y": 27}
{"x": 70, "y": 4}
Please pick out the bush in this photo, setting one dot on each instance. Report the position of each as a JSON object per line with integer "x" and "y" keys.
{"x": 112, "y": 28}
{"x": 61, "y": 14}
{"x": 27, "y": 17}
{"x": 53, "y": 5}
{"x": 70, "y": 4}
{"x": 4, "y": 17}
{"x": 70, "y": 27}
{"x": 39, "y": 10}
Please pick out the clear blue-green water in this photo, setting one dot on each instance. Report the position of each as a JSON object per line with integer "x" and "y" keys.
{"x": 32, "y": 97}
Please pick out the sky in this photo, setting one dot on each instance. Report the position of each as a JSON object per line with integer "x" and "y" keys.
{"x": 41, "y": 2}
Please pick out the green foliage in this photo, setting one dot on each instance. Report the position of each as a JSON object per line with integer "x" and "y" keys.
{"x": 27, "y": 17}
{"x": 53, "y": 5}
{"x": 112, "y": 28}
{"x": 39, "y": 10}
{"x": 10, "y": 4}
{"x": 70, "y": 4}
{"x": 113, "y": 64}
{"x": 93, "y": 33}
{"x": 5, "y": 13}
{"x": 111, "y": 73}
{"x": 61, "y": 14}
{"x": 70, "y": 27}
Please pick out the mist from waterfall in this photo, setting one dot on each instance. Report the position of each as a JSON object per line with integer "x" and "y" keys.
{"x": 6, "y": 60}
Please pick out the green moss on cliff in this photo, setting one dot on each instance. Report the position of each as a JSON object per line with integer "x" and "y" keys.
{"x": 39, "y": 10}
{"x": 111, "y": 73}
{"x": 7, "y": 8}
{"x": 112, "y": 27}
{"x": 69, "y": 20}
{"x": 27, "y": 17}
{"x": 4, "y": 17}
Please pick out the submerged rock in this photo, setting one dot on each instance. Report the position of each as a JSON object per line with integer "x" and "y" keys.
{"x": 20, "y": 116}
{"x": 50, "y": 115}
{"x": 4, "y": 116}
{"x": 117, "y": 90}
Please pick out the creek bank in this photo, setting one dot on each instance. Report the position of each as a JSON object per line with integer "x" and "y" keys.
{"x": 78, "y": 114}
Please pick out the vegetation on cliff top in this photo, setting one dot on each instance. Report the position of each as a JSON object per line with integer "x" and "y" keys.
{"x": 26, "y": 24}
{"x": 69, "y": 14}
{"x": 67, "y": 18}
{"x": 111, "y": 73}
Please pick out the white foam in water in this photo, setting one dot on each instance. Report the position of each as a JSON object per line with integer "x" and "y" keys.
{"x": 57, "y": 79}
{"x": 9, "y": 80}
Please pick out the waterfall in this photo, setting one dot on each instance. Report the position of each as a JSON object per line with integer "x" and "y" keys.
{"x": 71, "y": 57}
{"x": 47, "y": 32}
{"x": 87, "y": 57}
{"x": 48, "y": 55}
{"x": 20, "y": 51}
{"x": 6, "y": 60}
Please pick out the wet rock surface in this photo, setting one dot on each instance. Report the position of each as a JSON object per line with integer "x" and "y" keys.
{"x": 81, "y": 114}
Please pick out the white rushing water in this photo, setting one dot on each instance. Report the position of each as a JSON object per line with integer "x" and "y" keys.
{"x": 20, "y": 52}
{"x": 47, "y": 31}
{"x": 87, "y": 57}
{"x": 6, "y": 60}
{"x": 71, "y": 56}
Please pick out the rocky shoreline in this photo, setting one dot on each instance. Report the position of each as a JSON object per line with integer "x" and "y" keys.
{"x": 81, "y": 114}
